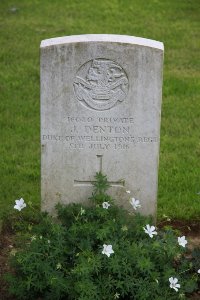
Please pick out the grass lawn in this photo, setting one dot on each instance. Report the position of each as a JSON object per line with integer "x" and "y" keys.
{"x": 24, "y": 23}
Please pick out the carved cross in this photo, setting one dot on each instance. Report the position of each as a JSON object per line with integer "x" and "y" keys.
{"x": 120, "y": 183}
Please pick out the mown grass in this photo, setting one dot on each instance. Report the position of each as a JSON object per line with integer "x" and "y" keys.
{"x": 24, "y": 23}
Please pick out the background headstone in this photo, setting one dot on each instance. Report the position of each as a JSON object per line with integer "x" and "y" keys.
{"x": 100, "y": 111}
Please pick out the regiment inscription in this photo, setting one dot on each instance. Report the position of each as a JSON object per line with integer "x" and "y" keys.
{"x": 117, "y": 134}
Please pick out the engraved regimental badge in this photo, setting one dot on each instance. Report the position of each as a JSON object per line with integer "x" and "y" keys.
{"x": 100, "y": 84}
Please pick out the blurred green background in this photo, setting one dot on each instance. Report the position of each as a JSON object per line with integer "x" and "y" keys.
{"x": 24, "y": 23}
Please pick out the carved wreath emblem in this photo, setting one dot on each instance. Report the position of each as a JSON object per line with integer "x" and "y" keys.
{"x": 100, "y": 84}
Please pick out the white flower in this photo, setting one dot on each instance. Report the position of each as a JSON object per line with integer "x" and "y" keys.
{"x": 33, "y": 238}
{"x": 20, "y": 204}
{"x": 58, "y": 266}
{"x": 124, "y": 228}
{"x": 150, "y": 230}
{"x": 182, "y": 241}
{"x": 173, "y": 284}
{"x": 135, "y": 203}
{"x": 128, "y": 192}
{"x": 48, "y": 241}
{"x": 107, "y": 250}
{"x": 198, "y": 271}
{"x": 116, "y": 296}
{"x": 82, "y": 211}
{"x": 105, "y": 205}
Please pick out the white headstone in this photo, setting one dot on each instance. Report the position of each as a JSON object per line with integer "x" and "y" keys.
{"x": 100, "y": 111}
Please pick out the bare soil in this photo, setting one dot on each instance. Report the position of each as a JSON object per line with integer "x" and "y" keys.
{"x": 190, "y": 229}
{"x": 6, "y": 242}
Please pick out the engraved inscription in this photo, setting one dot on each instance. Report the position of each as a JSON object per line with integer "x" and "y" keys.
{"x": 100, "y": 84}
{"x": 100, "y": 142}
{"x": 100, "y": 133}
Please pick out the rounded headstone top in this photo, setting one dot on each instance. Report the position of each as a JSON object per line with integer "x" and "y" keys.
{"x": 112, "y": 38}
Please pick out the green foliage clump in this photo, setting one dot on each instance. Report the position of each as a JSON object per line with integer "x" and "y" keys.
{"x": 64, "y": 259}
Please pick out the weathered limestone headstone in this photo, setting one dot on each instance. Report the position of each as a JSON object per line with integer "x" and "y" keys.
{"x": 100, "y": 111}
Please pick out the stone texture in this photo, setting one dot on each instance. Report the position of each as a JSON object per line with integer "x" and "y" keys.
{"x": 100, "y": 110}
